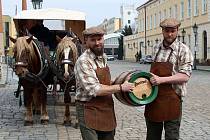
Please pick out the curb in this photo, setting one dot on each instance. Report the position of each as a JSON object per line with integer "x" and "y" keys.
{"x": 2, "y": 85}
{"x": 203, "y": 70}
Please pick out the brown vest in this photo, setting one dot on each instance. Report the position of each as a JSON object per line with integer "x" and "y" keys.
{"x": 167, "y": 104}
{"x": 99, "y": 111}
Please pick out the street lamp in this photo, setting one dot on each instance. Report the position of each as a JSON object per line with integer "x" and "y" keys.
{"x": 148, "y": 42}
{"x": 183, "y": 35}
{"x": 37, "y": 4}
{"x": 178, "y": 37}
{"x": 195, "y": 30}
{"x": 156, "y": 40}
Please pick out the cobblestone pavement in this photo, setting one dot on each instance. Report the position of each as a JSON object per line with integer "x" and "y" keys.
{"x": 131, "y": 125}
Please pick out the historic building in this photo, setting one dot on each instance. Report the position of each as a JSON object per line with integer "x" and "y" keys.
{"x": 111, "y": 44}
{"x": 128, "y": 15}
{"x": 189, "y": 12}
{"x": 111, "y": 25}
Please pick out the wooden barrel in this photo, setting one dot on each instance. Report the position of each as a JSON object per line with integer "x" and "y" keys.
{"x": 143, "y": 92}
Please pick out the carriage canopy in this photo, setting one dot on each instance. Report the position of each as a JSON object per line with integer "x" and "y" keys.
{"x": 73, "y": 19}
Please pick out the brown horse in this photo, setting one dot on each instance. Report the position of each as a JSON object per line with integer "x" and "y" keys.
{"x": 66, "y": 56}
{"x": 29, "y": 68}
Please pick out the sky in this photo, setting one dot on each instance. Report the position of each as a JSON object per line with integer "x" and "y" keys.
{"x": 96, "y": 10}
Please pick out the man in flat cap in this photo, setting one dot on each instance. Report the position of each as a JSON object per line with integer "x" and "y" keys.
{"x": 171, "y": 70}
{"x": 94, "y": 104}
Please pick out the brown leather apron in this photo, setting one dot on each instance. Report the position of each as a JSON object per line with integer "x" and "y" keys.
{"x": 167, "y": 104}
{"x": 99, "y": 111}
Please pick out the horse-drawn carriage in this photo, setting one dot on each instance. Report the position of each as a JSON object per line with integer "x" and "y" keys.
{"x": 34, "y": 65}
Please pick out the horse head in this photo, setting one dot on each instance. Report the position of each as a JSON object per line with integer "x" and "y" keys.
{"x": 25, "y": 56}
{"x": 66, "y": 56}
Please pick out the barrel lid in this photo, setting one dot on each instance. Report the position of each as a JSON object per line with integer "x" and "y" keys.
{"x": 144, "y": 92}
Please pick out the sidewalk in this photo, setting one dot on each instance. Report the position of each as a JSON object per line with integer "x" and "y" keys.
{"x": 203, "y": 68}
{"x": 4, "y": 79}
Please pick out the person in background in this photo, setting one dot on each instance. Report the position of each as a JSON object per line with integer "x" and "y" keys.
{"x": 94, "y": 103}
{"x": 171, "y": 70}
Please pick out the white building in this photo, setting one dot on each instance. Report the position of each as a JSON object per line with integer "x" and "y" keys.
{"x": 111, "y": 44}
{"x": 128, "y": 15}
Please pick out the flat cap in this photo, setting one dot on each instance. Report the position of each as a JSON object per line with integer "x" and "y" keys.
{"x": 94, "y": 31}
{"x": 170, "y": 23}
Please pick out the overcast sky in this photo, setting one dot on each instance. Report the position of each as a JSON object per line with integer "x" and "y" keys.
{"x": 96, "y": 10}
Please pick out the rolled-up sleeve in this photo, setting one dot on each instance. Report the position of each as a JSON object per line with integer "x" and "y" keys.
{"x": 186, "y": 62}
{"x": 87, "y": 77}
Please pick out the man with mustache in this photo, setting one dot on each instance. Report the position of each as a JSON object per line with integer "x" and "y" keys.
{"x": 94, "y": 103}
{"x": 171, "y": 70}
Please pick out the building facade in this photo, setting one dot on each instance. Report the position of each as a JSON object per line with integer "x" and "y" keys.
{"x": 8, "y": 30}
{"x": 128, "y": 15}
{"x": 189, "y": 12}
{"x": 1, "y": 31}
{"x": 111, "y": 44}
{"x": 112, "y": 25}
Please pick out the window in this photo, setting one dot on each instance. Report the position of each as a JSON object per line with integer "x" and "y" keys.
{"x": 155, "y": 18}
{"x": 182, "y": 10}
{"x": 195, "y": 7}
{"x": 170, "y": 12}
{"x": 142, "y": 24}
{"x": 147, "y": 22}
{"x": 165, "y": 14}
{"x": 150, "y": 22}
{"x": 189, "y": 8}
{"x": 129, "y": 21}
{"x": 204, "y": 6}
{"x": 160, "y": 17}
{"x": 129, "y": 12}
{"x": 175, "y": 11}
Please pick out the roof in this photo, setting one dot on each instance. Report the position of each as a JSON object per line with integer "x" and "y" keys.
{"x": 51, "y": 14}
{"x": 112, "y": 35}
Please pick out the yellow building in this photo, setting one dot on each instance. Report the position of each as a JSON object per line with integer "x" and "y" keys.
{"x": 189, "y": 12}
{"x": 8, "y": 30}
{"x": 111, "y": 25}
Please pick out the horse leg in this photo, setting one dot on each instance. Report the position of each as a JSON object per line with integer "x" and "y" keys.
{"x": 67, "y": 101}
{"x": 44, "y": 114}
{"x": 28, "y": 120}
{"x": 36, "y": 103}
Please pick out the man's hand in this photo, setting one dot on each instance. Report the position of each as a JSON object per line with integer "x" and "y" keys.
{"x": 156, "y": 80}
{"x": 127, "y": 87}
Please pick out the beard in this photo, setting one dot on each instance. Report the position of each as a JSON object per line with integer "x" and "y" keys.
{"x": 98, "y": 51}
{"x": 169, "y": 41}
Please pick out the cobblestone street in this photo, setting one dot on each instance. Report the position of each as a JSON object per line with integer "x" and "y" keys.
{"x": 131, "y": 125}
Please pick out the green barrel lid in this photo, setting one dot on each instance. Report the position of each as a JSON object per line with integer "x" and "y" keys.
{"x": 147, "y": 97}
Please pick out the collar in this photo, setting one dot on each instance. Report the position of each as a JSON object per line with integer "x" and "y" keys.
{"x": 93, "y": 56}
{"x": 172, "y": 46}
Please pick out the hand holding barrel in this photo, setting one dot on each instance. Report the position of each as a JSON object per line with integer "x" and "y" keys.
{"x": 126, "y": 87}
{"x": 155, "y": 80}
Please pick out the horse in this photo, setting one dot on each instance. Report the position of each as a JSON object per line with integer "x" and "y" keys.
{"x": 66, "y": 56}
{"x": 33, "y": 76}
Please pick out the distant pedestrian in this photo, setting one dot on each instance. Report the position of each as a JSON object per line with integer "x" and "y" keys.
{"x": 137, "y": 56}
{"x": 94, "y": 103}
{"x": 171, "y": 70}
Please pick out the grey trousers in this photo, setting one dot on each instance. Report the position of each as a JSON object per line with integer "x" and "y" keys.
{"x": 154, "y": 129}
{"x": 88, "y": 133}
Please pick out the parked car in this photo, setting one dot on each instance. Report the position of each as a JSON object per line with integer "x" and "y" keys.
{"x": 110, "y": 58}
{"x": 147, "y": 59}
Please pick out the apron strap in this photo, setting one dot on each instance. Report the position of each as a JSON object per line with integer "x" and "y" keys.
{"x": 97, "y": 63}
{"x": 170, "y": 55}
{"x": 159, "y": 53}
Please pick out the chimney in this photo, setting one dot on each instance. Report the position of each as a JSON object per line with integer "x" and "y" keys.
{"x": 24, "y": 5}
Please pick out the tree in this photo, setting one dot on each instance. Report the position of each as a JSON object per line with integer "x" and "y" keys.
{"x": 125, "y": 32}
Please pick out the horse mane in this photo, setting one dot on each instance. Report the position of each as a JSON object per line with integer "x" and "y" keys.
{"x": 21, "y": 45}
{"x": 65, "y": 43}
